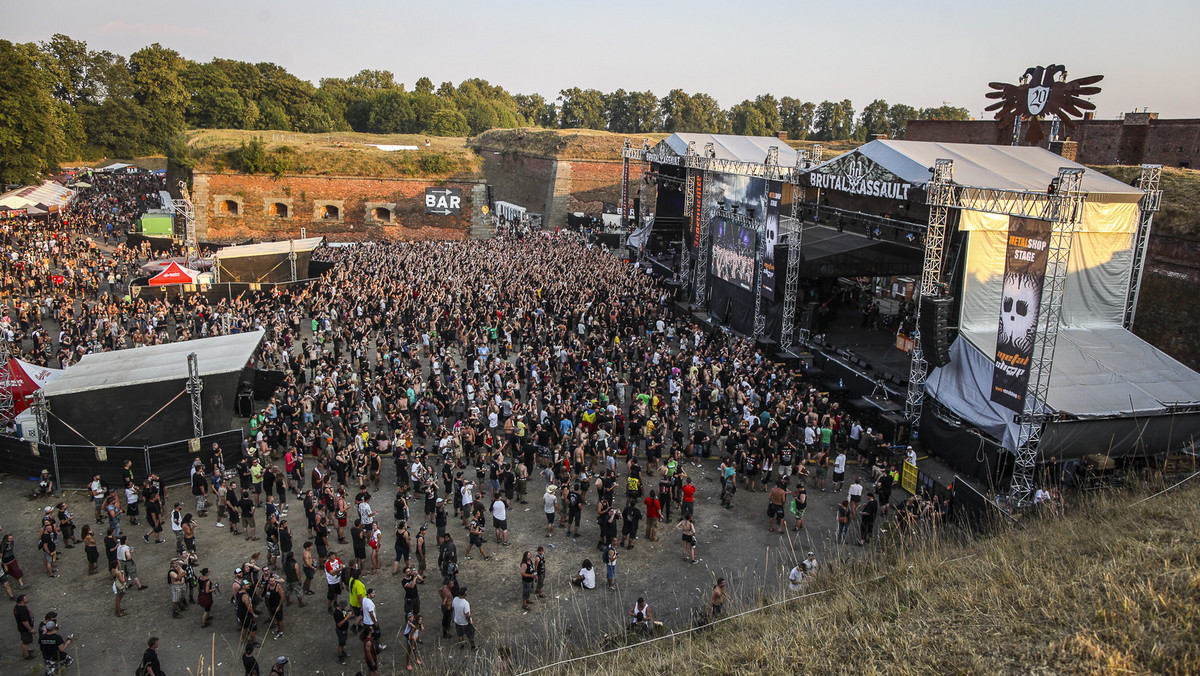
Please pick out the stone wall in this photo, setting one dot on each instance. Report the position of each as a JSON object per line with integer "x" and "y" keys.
{"x": 340, "y": 208}
{"x": 555, "y": 188}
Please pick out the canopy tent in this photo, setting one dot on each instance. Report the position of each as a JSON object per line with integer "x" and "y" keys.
{"x": 265, "y": 261}
{"x": 751, "y": 149}
{"x": 115, "y": 166}
{"x": 174, "y": 274}
{"x": 139, "y": 397}
{"x": 23, "y": 379}
{"x": 38, "y": 199}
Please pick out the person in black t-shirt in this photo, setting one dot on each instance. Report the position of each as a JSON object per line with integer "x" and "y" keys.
{"x": 150, "y": 663}
{"x": 24, "y": 618}
{"x": 54, "y": 646}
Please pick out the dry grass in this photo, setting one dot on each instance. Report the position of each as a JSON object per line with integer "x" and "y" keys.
{"x": 1180, "y": 214}
{"x": 339, "y": 154}
{"x": 576, "y": 144}
{"x": 1113, "y": 588}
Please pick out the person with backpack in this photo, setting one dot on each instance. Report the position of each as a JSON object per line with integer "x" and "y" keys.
{"x": 574, "y": 508}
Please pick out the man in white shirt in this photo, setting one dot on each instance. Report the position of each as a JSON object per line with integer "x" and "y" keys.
{"x": 586, "y": 577}
{"x": 795, "y": 579}
{"x": 500, "y": 519}
{"x": 462, "y": 617}
{"x": 550, "y": 507}
{"x": 177, "y": 526}
{"x": 369, "y": 619}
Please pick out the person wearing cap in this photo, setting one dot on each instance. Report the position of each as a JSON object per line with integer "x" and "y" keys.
{"x": 281, "y": 666}
{"x": 550, "y": 507}
{"x": 810, "y": 564}
{"x": 54, "y": 646}
{"x": 370, "y": 619}
{"x": 910, "y": 456}
{"x": 341, "y": 627}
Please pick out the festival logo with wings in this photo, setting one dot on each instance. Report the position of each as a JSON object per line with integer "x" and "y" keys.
{"x": 1043, "y": 91}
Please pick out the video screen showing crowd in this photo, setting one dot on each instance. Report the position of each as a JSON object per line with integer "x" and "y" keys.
{"x": 733, "y": 244}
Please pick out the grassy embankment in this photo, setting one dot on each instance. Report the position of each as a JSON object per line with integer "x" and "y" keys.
{"x": 1111, "y": 588}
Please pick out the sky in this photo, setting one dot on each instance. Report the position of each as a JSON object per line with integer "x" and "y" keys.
{"x": 922, "y": 53}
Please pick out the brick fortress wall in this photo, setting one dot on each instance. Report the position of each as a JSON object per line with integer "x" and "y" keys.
{"x": 366, "y": 208}
{"x": 1140, "y": 138}
{"x": 556, "y": 187}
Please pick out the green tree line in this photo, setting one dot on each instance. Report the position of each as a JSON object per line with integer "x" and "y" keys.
{"x": 61, "y": 100}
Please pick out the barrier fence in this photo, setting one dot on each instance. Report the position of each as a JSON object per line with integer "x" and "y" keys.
{"x": 74, "y": 466}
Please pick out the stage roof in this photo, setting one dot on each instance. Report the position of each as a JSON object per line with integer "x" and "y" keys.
{"x": 269, "y": 248}
{"x": 156, "y": 363}
{"x": 1099, "y": 372}
{"x": 985, "y": 166}
{"x": 751, "y": 149}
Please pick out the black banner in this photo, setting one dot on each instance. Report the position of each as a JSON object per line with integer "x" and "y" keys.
{"x": 697, "y": 207}
{"x": 774, "y": 196}
{"x": 623, "y": 208}
{"x": 1024, "y": 274}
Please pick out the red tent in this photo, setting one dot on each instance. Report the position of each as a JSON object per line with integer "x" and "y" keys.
{"x": 24, "y": 379}
{"x": 174, "y": 274}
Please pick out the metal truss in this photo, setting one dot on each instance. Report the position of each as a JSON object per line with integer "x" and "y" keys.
{"x": 773, "y": 171}
{"x": 185, "y": 210}
{"x": 41, "y": 412}
{"x": 6, "y": 390}
{"x": 711, "y": 163}
{"x": 940, "y": 197}
{"x": 194, "y": 388}
{"x": 744, "y": 220}
{"x": 1151, "y": 202}
{"x": 1066, "y": 210}
{"x": 700, "y": 290}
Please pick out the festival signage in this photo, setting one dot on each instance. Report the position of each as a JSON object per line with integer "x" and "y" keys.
{"x": 1021, "y": 300}
{"x": 774, "y": 196}
{"x": 697, "y": 207}
{"x": 443, "y": 201}
{"x": 1043, "y": 91}
{"x": 855, "y": 174}
{"x": 622, "y": 208}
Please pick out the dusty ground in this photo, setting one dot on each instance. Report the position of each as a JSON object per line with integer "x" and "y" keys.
{"x": 733, "y": 544}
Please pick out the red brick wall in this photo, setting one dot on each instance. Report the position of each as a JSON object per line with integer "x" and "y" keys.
{"x": 305, "y": 192}
{"x": 600, "y": 181}
{"x": 1171, "y": 143}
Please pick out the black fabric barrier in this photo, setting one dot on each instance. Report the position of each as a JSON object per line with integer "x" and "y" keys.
{"x": 969, "y": 454}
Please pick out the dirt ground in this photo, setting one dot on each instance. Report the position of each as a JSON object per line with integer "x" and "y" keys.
{"x": 734, "y": 544}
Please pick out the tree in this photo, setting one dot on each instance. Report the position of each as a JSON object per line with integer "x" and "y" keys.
{"x": 73, "y": 68}
{"x": 834, "y": 121}
{"x": 747, "y": 120}
{"x": 480, "y": 117}
{"x": 31, "y": 139}
{"x": 155, "y": 76}
{"x": 697, "y": 113}
{"x": 945, "y": 112}
{"x": 448, "y": 122}
{"x": 423, "y": 86}
{"x": 769, "y": 108}
{"x": 534, "y": 110}
{"x": 374, "y": 80}
{"x": 796, "y": 117}
{"x": 391, "y": 112}
{"x": 581, "y": 109}
{"x": 898, "y": 117}
{"x": 874, "y": 120}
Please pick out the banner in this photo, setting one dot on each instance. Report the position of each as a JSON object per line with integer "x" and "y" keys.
{"x": 1024, "y": 274}
{"x": 774, "y": 196}
{"x": 623, "y": 207}
{"x": 697, "y": 207}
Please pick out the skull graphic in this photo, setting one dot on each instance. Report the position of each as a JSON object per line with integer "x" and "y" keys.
{"x": 1019, "y": 310}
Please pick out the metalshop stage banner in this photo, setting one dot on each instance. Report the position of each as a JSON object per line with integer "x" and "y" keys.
{"x": 1024, "y": 275}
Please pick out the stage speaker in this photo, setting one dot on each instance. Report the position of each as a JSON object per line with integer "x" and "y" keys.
{"x": 935, "y": 329}
{"x": 810, "y": 318}
{"x": 491, "y": 202}
{"x": 894, "y": 427}
{"x": 637, "y": 211}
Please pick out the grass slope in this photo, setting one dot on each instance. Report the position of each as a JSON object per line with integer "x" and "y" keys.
{"x": 1112, "y": 588}
{"x": 339, "y": 154}
{"x": 1180, "y": 214}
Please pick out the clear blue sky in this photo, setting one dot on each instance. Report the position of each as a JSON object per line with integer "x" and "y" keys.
{"x": 920, "y": 53}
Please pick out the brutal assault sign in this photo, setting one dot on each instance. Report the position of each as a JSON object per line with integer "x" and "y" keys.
{"x": 858, "y": 175}
{"x": 443, "y": 201}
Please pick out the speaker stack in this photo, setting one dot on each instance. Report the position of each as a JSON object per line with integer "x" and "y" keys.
{"x": 935, "y": 329}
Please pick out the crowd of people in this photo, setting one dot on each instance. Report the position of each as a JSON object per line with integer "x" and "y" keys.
{"x": 525, "y": 369}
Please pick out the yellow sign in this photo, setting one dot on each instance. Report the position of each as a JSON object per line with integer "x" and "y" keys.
{"x": 908, "y": 477}
{"x": 484, "y": 208}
